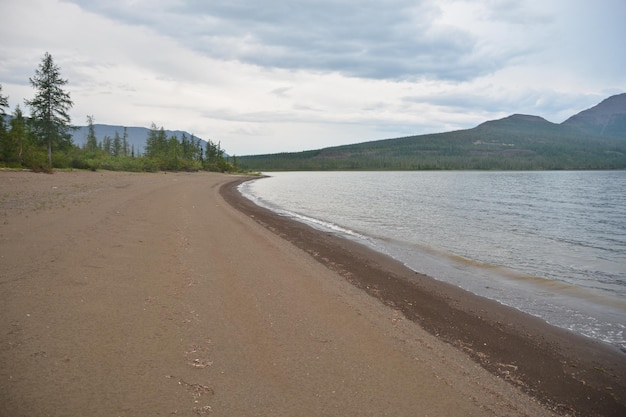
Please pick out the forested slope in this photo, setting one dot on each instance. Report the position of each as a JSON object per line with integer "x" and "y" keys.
{"x": 518, "y": 142}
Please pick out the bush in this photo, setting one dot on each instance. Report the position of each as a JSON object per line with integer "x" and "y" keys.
{"x": 61, "y": 160}
{"x": 37, "y": 161}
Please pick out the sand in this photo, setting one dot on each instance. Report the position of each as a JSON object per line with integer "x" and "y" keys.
{"x": 168, "y": 294}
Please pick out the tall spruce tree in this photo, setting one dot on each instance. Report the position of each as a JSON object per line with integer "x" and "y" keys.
{"x": 50, "y": 107}
{"x": 92, "y": 142}
{"x": 4, "y": 135}
{"x": 117, "y": 145}
{"x": 125, "y": 149}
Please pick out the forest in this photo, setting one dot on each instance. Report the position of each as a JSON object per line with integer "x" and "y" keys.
{"x": 43, "y": 141}
{"x": 517, "y": 142}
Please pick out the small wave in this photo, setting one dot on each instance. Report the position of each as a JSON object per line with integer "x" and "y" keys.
{"x": 311, "y": 221}
{"x": 578, "y": 293}
{"x": 324, "y": 225}
{"x": 595, "y": 314}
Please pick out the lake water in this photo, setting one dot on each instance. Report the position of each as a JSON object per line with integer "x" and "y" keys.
{"x": 552, "y": 244}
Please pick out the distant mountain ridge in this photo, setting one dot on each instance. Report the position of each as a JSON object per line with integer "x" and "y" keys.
{"x": 605, "y": 119}
{"x": 518, "y": 123}
{"x": 517, "y": 120}
{"x": 136, "y": 135}
{"x": 592, "y": 139}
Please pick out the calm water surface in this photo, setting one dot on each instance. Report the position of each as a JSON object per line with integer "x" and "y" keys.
{"x": 552, "y": 244}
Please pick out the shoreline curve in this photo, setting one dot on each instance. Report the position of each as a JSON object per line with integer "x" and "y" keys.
{"x": 562, "y": 369}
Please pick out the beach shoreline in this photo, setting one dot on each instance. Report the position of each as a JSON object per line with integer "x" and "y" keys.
{"x": 134, "y": 294}
{"x": 562, "y": 369}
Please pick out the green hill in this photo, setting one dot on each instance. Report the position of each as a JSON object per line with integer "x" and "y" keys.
{"x": 606, "y": 119}
{"x": 517, "y": 142}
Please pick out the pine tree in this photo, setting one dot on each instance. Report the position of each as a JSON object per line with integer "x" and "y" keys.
{"x": 125, "y": 149}
{"x": 92, "y": 142}
{"x": 173, "y": 153}
{"x": 49, "y": 108}
{"x": 107, "y": 145}
{"x": 117, "y": 145}
{"x": 4, "y": 134}
{"x": 19, "y": 134}
{"x": 150, "y": 150}
{"x": 156, "y": 142}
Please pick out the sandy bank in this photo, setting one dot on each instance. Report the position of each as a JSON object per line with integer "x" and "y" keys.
{"x": 568, "y": 372}
{"x": 147, "y": 294}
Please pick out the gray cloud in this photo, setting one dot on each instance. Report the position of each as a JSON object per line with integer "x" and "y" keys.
{"x": 391, "y": 39}
{"x": 553, "y": 106}
{"x": 276, "y": 76}
{"x": 513, "y": 11}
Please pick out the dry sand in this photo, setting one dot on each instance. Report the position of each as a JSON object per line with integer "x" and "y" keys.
{"x": 149, "y": 295}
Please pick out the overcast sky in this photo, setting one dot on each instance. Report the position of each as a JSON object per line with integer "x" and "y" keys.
{"x": 279, "y": 75}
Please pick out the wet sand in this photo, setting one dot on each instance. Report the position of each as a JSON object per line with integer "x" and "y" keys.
{"x": 148, "y": 294}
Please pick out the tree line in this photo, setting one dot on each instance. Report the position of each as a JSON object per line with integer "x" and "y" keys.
{"x": 43, "y": 141}
{"x": 493, "y": 146}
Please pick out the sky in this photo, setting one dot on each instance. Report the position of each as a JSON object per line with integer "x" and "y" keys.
{"x": 290, "y": 75}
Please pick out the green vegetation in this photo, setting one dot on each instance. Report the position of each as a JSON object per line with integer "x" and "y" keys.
{"x": 50, "y": 120}
{"x": 43, "y": 141}
{"x": 515, "y": 143}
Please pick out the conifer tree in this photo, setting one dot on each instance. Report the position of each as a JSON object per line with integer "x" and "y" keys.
{"x": 125, "y": 150}
{"x": 50, "y": 107}
{"x": 4, "y": 136}
{"x": 92, "y": 142}
{"x": 107, "y": 145}
{"x": 18, "y": 134}
{"x": 117, "y": 144}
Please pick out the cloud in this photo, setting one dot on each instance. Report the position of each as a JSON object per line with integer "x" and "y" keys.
{"x": 398, "y": 39}
{"x": 517, "y": 13}
{"x": 285, "y": 76}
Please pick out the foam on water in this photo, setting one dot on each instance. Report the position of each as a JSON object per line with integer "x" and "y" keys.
{"x": 311, "y": 221}
{"x": 585, "y": 311}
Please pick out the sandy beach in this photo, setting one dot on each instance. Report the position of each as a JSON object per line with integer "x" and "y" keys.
{"x": 164, "y": 294}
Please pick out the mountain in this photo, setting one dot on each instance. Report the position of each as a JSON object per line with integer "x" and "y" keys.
{"x": 516, "y": 142}
{"x": 521, "y": 123}
{"x": 136, "y": 135}
{"x": 522, "y": 126}
{"x": 605, "y": 119}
